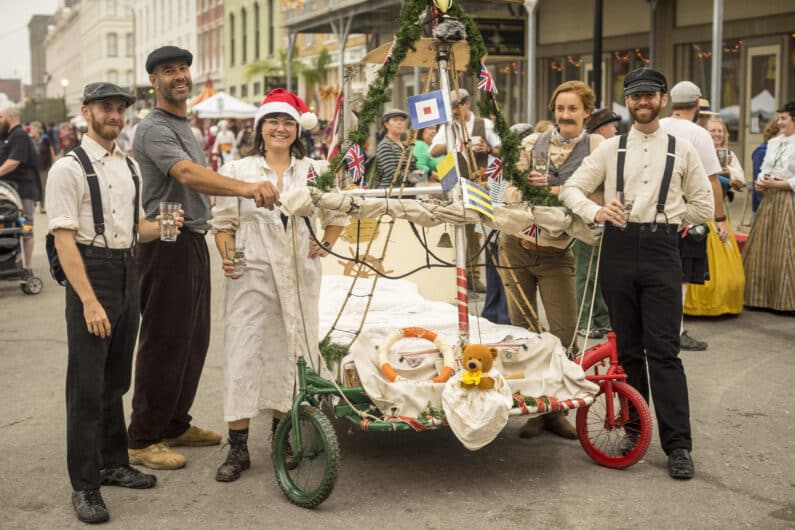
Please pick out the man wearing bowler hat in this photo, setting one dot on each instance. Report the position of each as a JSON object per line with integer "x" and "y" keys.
{"x": 102, "y": 296}
{"x": 640, "y": 270}
{"x": 175, "y": 275}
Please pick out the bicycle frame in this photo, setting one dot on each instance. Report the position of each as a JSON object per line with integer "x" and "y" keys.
{"x": 596, "y": 357}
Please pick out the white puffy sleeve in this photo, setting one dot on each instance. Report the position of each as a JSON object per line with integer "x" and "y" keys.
{"x": 226, "y": 212}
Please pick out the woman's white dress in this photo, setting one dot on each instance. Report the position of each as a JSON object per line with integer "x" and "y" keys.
{"x": 272, "y": 310}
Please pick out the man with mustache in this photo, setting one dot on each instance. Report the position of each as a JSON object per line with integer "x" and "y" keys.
{"x": 19, "y": 166}
{"x": 640, "y": 269}
{"x": 175, "y": 276}
{"x": 685, "y": 97}
{"x": 547, "y": 263}
{"x": 102, "y": 296}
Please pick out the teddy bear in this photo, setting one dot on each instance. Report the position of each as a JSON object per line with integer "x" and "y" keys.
{"x": 477, "y": 359}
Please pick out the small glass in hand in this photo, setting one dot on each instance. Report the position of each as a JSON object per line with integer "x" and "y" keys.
{"x": 238, "y": 257}
{"x": 168, "y": 222}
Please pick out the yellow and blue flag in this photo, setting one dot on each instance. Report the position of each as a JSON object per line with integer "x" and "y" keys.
{"x": 476, "y": 198}
{"x": 447, "y": 172}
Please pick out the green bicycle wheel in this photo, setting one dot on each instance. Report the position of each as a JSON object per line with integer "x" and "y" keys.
{"x": 307, "y": 474}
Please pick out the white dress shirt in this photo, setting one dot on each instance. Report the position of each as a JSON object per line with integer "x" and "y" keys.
{"x": 69, "y": 197}
{"x": 491, "y": 137}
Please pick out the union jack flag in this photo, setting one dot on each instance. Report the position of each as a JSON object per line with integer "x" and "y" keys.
{"x": 388, "y": 57}
{"x": 485, "y": 81}
{"x": 311, "y": 174}
{"x": 355, "y": 160}
{"x": 494, "y": 170}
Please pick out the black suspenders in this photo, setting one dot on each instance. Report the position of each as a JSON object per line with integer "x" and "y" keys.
{"x": 96, "y": 197}
{"x": 670, "y": 158}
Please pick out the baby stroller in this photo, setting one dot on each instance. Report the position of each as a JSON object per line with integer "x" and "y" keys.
{"x": 12, "y": 229}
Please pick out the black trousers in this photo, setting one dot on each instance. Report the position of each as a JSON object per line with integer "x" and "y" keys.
{"x": 175, "y": 335}
{"x": 641, "y": 277}
{"x": 98, "y": 370}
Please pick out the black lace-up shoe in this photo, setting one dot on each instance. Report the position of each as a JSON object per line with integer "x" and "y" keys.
{"x": 680, "y": 464}
{"x": 127, "y": 477}
{"x": 89, "y": 506}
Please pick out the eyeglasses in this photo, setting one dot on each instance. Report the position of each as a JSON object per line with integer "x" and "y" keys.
{"x": 273, "y": 123}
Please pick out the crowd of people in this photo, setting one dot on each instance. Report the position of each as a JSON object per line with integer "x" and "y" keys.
{"x": 656, "y": 191}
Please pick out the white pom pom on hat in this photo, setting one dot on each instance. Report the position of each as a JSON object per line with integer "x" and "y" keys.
{"x": 280, "y": 101}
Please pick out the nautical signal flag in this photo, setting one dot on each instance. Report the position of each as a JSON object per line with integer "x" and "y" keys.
{"x": 485, "y": 81}
{"x": 447, "y": 172}
{"x": 476, "y": 198}
{"x": 354, "y": 158}
{"x": 428, "y": 109}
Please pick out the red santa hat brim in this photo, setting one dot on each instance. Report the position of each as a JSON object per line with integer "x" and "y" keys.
{"x": 280, "y": 101}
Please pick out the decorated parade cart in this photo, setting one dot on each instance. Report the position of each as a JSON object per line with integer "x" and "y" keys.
{"x": 410, "y": 364}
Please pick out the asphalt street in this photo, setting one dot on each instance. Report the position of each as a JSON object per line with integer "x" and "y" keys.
{"x": 743, "y": 418}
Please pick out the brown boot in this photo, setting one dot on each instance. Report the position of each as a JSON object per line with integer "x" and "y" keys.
{"x": 194, "y": 437}
{"x": 156, "y": 456}
{"x": 532, "y": 428}
{"x": 556, "y": 422}
{"x": 237, "y": 460}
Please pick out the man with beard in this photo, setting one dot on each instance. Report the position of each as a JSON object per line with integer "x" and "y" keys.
{"x": 175, "y": 276}
{"x": 547, "y": 263}
{"x": 19, "y": 165}
{"x": 102, "y": 294}
{"x": 640, "y": 271}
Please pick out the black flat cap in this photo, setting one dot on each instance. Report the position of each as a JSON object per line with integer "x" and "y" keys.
{"x": 167, "y": 53}
{"x": 644, "y": 80}
{"x": 98, "y": 91}
{"x": 601, "y": 117}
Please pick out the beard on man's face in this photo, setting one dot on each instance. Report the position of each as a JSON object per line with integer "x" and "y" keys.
{"x": 644, "y": 105}
{"x": 106, "y": 132}
{"x": 167, "y": 90}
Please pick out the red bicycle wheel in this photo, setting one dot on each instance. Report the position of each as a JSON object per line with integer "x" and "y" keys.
{"x": 604, "y": 440}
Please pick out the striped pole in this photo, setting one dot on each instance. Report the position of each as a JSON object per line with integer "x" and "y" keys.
{"x": 461, "y": 280}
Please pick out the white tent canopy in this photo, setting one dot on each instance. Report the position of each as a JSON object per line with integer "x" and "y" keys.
{"x": 222, "y": 105}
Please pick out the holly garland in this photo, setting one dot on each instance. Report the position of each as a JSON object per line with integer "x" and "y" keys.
{"x": 408, "y": 33}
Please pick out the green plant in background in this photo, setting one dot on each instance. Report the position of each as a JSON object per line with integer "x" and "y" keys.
{"x": 332, "y": 352}
{"x": 409, "y": 31}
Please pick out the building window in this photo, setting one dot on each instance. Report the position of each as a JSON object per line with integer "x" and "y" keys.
{"x": 129, "y": 45}
{"x": 113, "y": 45}
{"x": 243, "y": 91}
{"x": 271, "y": 28}
{"x": 257, "y": 89}
{"x": 232, "y": 90}
{"x": 231, "y": 42}
{"x": 110, "y": 8}
{"x": 256, "y": 30}
{"x": 244, "y": 35}
{"x": 113, "y": 77}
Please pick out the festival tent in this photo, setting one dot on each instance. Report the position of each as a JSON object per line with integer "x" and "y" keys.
{"x": 222, "y": 105}
{"x": 207, "y": 92}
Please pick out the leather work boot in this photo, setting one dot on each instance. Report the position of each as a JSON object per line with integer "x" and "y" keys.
{"x": 194, "y": 437}
{"x": 237, "y": 459}
{"x": 89, "y": 506}
{"x": 680, "y": 464}
{"x": 127, "y": 477}
{"x": 533, "y": 427}
{"x": 556, "y": 422}
{"x": 156, "y": 456}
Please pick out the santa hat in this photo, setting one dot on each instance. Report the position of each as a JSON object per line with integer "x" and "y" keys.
{"x": 281, "y": 101}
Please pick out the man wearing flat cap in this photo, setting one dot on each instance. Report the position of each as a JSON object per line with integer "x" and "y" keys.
{"x": 175, "y": 275}
{"x": 102, "y": 296}
{"x": 653, "y": 184}
{"x": 604, "y": 123}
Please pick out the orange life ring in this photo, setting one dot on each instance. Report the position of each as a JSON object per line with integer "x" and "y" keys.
{"x": 420, "y": 333}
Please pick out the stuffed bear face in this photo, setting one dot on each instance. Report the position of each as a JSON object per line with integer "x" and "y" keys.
{"x": 478, "y": 357}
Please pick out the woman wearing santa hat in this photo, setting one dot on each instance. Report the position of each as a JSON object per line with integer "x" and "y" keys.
{"x": 265, "y": 330}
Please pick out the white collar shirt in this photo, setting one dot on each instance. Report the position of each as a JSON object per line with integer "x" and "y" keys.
{"x": 491, "y": 137}
{"x": 69, "y": 198}
{"x": 779, "y": 160}
{"x": 643, "y": 174}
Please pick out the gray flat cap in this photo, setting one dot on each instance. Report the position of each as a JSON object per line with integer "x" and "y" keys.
{"x": 98, "y": 91}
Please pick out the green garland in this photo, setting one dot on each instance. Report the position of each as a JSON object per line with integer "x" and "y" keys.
{"x": 332, "y": 352}
{"x": 408, "y": 33}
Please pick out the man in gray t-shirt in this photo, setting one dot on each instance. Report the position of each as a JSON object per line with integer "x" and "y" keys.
{"x": 175, "y": 276}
